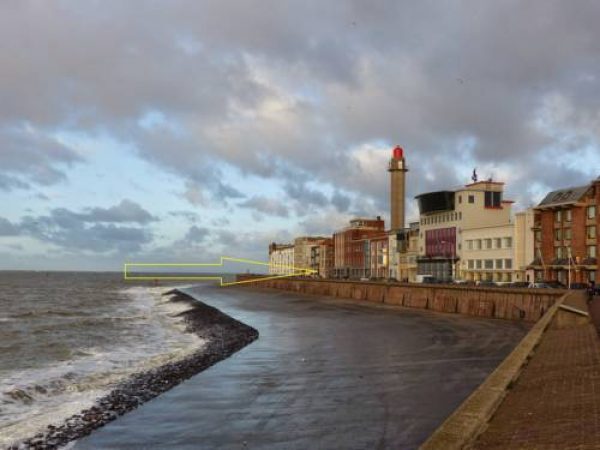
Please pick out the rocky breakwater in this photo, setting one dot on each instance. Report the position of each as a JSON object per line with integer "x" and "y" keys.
{"x": 223, "y": 336}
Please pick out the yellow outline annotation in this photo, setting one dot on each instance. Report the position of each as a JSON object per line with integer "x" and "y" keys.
{"x": 126, "y": 276}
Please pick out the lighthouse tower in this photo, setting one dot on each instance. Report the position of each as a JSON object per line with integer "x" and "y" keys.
{"x": 397, "y": 169}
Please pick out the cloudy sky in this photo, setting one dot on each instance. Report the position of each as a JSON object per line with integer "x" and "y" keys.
{"x": 182, "y": 130}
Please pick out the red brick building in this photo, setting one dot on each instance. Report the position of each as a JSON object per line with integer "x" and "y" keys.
{"x": 352, "y": 255}
{"x": 567, "y": 234}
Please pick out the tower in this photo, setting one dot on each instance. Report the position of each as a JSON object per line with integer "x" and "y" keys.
{"x": 397, "y": 169}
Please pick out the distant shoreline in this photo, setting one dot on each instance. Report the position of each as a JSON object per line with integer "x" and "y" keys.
{"x": 223, "y": 335}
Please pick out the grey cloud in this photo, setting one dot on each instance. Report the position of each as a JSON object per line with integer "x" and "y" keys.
{"x": 7, "y": 228}
{"x": 252, "y": 91}
{"x": 126, "y": 211}
{"x": 196, "y": 234}
{"x": 266, "y": 205}
{"x": 95, "y": 231}
{"x": 303, "y": 193}
{"x": 190, "y": 216}
{"x": 220, "y": 221}
{"x": 340, "y": 201}
{"x": 31, "y": 156}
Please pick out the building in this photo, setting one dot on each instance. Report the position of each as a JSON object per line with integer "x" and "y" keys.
{"x": 377, "y": 252}
{"x": 303, "y": 250}
{"x": 407, "y": 246}
{"x": 566, "y": 225}
{"x": 352, "y": 247}
{"x": 524, "y": 245}
{"x": 281, "y": 259}
{"x": 446, "y": 215}
{"x": 488, "y": 254}
{"x": 322, "y": 258}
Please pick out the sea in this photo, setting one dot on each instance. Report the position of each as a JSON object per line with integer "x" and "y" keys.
{"x": 67, "y": 338}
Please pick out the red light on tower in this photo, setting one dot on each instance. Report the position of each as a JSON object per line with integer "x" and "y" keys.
{"x": 398, "y": 153}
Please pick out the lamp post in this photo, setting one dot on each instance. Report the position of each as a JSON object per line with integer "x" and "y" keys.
{"x": 569, "y": 277}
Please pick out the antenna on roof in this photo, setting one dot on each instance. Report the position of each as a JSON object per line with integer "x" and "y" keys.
{"x": 474, "y": 176}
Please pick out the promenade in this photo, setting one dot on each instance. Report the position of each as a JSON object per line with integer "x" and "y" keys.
{"x": 555, "y": 403}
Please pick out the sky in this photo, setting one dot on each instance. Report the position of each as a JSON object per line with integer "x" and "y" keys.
{"x": 180, "y": 131}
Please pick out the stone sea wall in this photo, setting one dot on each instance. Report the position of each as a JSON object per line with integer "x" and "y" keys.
{"x": 500, "y": 303}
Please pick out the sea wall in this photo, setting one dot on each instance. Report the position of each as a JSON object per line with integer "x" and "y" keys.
{"x": 502, "y": 303}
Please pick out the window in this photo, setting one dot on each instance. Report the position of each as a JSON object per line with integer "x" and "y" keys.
{"x": 460, "y": 199}
{"x": 568, "y": 215}
{"x": 488, "y": 243}
{"x": 558, "y": 234}
{"x": 471, "y": 264}
{"x": 591, "y": 232}
{"x": 592, "y": 275}
{"x": 471, "y": 199}
{"x": 538, "y": 236}
{"x": 493, "y": 199}
{"x": 558, "y": 252}
{"x": 508, "y": 263}
{"x": 499, "y": 264}
{"x": 489, "y": 263}
{"x": 477, "y": 244}
{"x": 508, "y": 242}
{"x": 470, "y": 245}
{"x": 591, "y": 251}
{"x": 591, "y": 212}
{"x": 558, "y": 216}
{"x": 498, "y": 242}
{"x": 568, "y": 234}
{"x": 478, "y": 263}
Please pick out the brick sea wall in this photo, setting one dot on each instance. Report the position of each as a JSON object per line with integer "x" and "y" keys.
{"x": 501, "y": 303}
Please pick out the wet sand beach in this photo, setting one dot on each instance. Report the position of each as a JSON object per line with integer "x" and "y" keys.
{"x": 324, "y": 374}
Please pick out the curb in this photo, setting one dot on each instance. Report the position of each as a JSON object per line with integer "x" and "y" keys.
{"x": 470, "y": 418}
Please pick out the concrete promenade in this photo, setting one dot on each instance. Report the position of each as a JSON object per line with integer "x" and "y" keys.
{"x": 555, "y": 403}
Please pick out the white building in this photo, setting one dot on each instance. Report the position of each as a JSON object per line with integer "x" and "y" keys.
{"x": 281, "y": 259}
{"x": 499, "y": 254}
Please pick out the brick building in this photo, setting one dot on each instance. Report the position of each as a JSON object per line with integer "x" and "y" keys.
{"x": 567, "y": 226}
{"x": 352, "y": 255}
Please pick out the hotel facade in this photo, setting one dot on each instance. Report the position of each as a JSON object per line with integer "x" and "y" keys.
{"x": 567, "y": 235}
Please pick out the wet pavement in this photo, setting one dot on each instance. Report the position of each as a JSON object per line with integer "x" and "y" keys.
{"x": 323, "y": 374}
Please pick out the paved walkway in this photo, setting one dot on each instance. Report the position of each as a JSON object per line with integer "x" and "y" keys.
{"x": 555, "y": 403}
{"x": 323, "y": 374}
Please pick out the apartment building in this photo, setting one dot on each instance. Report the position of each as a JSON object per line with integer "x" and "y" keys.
{"x": 352, "y": 254}
{"x": 488, "y": 254}
{"x": 567, "y": 232}
{"x": 303, "y": 250}
{"x": 281, "y": 259}
{"x": 321, "y": 259}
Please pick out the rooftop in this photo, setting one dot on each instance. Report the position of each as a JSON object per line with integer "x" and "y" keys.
{"x": 567, "y": 196}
